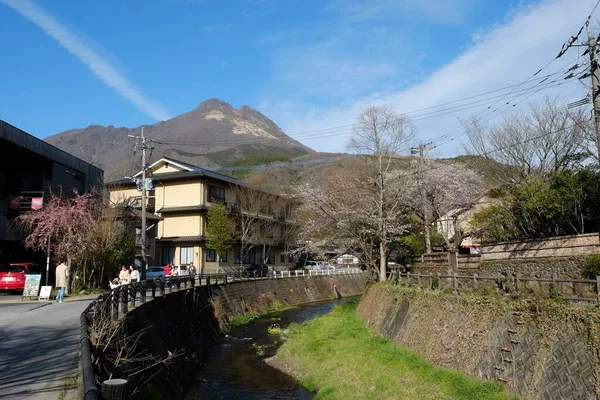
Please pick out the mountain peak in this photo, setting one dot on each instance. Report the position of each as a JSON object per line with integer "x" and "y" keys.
{"x": 212, "y": 129}
{"x": 212, "y": 104}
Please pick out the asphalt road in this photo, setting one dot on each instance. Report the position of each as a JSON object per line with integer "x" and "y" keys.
{"x": 39, "y": 345}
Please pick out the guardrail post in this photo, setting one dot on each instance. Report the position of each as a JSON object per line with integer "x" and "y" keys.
{"x": 114, "y": 299}
{"x": 430, "y": 281}
{"x": 132, "y": 293}
{"x": 439, "y": 279}
{"x": 124, "y": 298}
{"x": 517, "y": 282}
{"x": 408, "y": 279}
{"x": 598, "y": 288}
{"x": 143, "y": 291}
{"x": 161, "y": 285}
{"x": 115, "y": 389}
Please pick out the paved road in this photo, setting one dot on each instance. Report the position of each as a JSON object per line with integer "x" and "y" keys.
{"x": 39, "y": 344}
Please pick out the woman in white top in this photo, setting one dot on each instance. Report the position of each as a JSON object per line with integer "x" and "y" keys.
{"x": 175, "y": 271}
{"x": 124, "y": 275}
{"x": 134, "y": 274}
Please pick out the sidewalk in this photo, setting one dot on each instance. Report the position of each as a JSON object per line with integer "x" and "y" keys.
{"x": 17, "y": 299}
{"x": 39, "y": 350}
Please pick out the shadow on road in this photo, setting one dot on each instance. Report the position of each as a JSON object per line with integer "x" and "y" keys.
{"x": 34, "y": 361}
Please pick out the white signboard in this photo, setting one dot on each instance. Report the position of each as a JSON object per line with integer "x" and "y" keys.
{"x": 45, "y": 293}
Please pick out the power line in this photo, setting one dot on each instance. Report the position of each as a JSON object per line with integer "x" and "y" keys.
{"x": 455, "y": 133}
{"x": 343, "y": 131}
{"x": 483, "y": 154}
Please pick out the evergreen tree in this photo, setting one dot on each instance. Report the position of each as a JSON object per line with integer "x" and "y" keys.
{"x": 218, "y": 231}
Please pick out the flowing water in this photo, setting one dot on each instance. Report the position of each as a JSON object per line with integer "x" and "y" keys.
{"x": 234, "y": 368}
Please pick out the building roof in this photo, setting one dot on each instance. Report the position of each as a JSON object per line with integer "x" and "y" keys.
{"x": 189, "y": 172}
{"x": 10, "y": 133}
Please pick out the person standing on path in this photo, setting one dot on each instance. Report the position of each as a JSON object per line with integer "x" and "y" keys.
{"x": 124, "y": 277}
{"x": 134, "y": 274}
{"x": 192, "y": 270}
{"x": 62, "y": 280}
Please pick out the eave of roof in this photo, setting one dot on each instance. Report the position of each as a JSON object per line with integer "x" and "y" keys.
{"x": 182, "y": 209}
{"x": 179, "y": 239}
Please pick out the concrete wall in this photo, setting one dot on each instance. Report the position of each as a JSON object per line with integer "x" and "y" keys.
{"x": 564, "y": 256}
{"x": 192, "y": 319}
{"x": 562, "y": 246}
{"x": 546, "y": 351}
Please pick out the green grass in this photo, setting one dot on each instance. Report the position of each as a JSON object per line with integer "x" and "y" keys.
{"x": 340, "y": 358}
{"x": 242, "y": 319}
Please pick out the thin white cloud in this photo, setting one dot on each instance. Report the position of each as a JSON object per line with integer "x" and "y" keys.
{"x": 99, "y": 66}
{"x": 503, "y": 55}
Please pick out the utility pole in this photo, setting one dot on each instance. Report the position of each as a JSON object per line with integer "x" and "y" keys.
{"x": 144, "y": 186}
{"x": 420, "y": 172}
{"x": 592, "y": 42}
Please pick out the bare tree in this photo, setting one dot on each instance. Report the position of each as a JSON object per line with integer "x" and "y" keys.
{"x": 381, "y": 136}
{"x": 259, "y": 219}
{"x": 544, "y": 139}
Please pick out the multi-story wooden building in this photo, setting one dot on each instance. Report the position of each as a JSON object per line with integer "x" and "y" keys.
{"x": 180, "y": 199}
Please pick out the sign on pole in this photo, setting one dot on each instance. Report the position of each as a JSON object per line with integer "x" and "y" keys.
{"x": 32, "y": 285}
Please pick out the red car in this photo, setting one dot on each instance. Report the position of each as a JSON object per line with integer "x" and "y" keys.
{"x": 12, "y": 276}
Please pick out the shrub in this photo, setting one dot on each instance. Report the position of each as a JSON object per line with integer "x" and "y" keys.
{"x": 593, "y": 266}
{"x": 242, "y": 319}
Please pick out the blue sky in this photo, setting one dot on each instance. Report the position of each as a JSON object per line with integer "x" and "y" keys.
{"x": 308, "y": 65}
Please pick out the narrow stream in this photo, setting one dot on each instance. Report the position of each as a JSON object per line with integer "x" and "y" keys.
{"x": 234, "y": 367}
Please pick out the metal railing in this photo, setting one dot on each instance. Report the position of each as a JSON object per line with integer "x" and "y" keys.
{"x": 117, "y": 302}
{"x": 582, "y": 290}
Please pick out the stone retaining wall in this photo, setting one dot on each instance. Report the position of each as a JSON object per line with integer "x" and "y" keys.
{"x": 540, "y": 351}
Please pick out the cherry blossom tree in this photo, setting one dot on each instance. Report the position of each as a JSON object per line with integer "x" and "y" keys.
{"x": 82, "y": 229}
{"x": 340, "y": 213}
{"x": 449, "y": 188}
{"x": 65, "y": 220}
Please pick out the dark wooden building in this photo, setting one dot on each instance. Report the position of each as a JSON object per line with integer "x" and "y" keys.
{"x": 29, "y": 169}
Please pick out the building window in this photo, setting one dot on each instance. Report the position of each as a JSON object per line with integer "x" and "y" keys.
{"x": 249, "y": 257}
{"x": 216, "y": 194}
{"x": 186, "y": 255}
{"x": 210, "y": 256}
{"x": 224, "y": 257}
{"x": 168, "y": 255}
{"x": 270, "y": 257}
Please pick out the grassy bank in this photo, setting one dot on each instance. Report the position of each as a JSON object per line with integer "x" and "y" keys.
{"x": 340, "y": 358}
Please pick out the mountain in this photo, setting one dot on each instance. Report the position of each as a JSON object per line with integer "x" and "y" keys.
{"x": 214, "y": 134}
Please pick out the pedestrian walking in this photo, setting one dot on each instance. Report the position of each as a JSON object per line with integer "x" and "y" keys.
{"x": 62, "y": 280}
